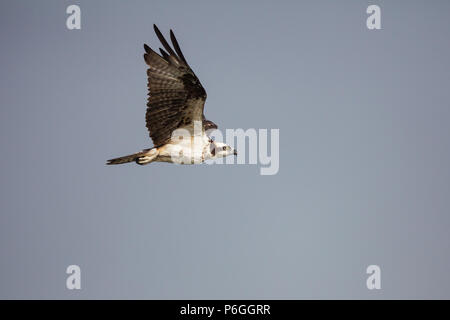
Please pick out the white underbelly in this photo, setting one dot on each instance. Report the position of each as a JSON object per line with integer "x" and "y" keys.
{"x": 184, "y": 152}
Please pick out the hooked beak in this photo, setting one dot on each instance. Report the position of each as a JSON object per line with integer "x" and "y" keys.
{"x": 235, "y": 152}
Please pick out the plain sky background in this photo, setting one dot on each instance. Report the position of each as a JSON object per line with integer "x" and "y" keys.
{"x": 364, "y": 152}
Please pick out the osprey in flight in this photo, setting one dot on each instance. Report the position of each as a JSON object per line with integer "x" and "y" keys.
{"x": 174, "y": 114}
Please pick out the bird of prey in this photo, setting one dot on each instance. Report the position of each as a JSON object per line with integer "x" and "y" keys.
{"x": 174, "y": 117}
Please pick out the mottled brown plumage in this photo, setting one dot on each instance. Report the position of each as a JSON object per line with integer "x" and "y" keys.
{"x": 176, "y": 96}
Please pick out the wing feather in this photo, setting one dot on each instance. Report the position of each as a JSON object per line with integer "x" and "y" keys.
{"x": 164, "y": 54}
{"x": 164, "y": 42}
{"x": 176, "y": 96}
{"x": 177, "y": 46}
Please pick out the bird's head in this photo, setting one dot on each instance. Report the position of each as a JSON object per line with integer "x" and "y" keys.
{"x": 221, "y": 150}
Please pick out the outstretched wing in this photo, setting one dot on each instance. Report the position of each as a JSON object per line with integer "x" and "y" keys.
{"x": 176, "y": 96}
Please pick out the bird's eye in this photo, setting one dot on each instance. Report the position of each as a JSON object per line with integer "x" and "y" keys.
{"x": 224, "y": 148}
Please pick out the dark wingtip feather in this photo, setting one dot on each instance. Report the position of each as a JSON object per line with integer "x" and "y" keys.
{"x": 164, "y": 54}
{"x": 150, "y": 53}
{"x": 177, "y": 46}
{"x": 164, "y": 42}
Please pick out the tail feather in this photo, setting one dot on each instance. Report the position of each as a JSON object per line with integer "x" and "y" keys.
{"x": 129, "y": 158}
